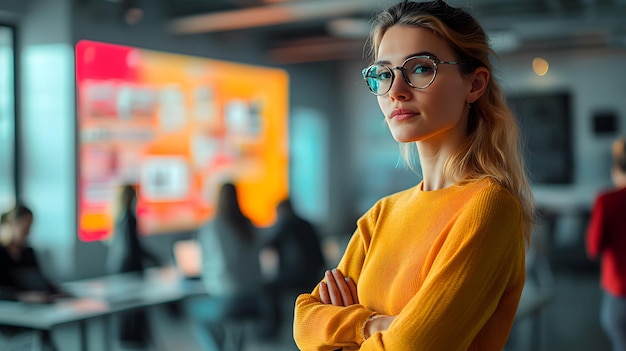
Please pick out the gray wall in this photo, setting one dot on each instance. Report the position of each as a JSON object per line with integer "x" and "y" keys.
{"x": 597, "y": 81}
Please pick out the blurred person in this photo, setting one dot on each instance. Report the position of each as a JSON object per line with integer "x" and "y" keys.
{"x": 126, "y": 252}
{"x": 299, "y": 250}
{"x": 6, "y": 292}
{"x": 606, "y": 240}
{"x": 441, "y": 265}
{"x": 128, "y": 255}
{"x": 231, "y": 273}
{"x": 21, "y": 276}
{"x": 300, "y": 258}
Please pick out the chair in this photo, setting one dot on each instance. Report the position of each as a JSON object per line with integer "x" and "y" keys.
{"x": 232, "y": 326}
{"x": 235, "y": 328}
{"x": 235, "y": 316}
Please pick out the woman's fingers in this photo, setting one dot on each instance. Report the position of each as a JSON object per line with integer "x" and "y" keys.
{"x": 333, "y": 290}
{"x": 337, "y": 289}
{"x": 353, "y": 292}
{"x": 324, "y": 297}
{"x": 342, "y": 286}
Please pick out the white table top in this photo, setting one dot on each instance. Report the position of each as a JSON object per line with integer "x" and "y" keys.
{"x": 97, "y": 297}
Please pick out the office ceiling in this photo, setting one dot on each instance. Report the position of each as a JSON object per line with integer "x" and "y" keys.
{"x": 319, "y": 30}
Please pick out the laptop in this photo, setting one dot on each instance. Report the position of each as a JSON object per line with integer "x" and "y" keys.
{"x": 187, "y": 258}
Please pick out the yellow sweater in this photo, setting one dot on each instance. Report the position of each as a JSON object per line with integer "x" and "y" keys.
{"x": 449, "y": 263}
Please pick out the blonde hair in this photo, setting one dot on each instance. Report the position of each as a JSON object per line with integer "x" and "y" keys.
{"x": 492, "y": 148}
{"x": 619, "y": 154}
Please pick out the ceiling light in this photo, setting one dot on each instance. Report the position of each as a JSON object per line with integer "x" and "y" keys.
{"x": 349, "y": 28}
{"x": 540, "y": 66}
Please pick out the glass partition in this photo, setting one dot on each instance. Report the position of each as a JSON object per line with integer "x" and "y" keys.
{"x": 7, "y": 118}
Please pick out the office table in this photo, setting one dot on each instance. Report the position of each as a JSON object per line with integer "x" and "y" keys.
{"x": 99, "y": 298}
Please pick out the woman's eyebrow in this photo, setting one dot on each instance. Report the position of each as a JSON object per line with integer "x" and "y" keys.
{"x": 421, "y": 53}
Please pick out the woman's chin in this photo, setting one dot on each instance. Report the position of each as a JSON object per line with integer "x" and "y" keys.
{"x": 403, "y": 138}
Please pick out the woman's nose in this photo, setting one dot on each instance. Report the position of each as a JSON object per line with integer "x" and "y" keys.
{"x": 399, "y": 89}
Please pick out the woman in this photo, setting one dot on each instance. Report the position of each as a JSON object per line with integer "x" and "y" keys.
{"x": 231, "y": 272}
{"x": 128, "y": 255}
{"x": 439, "y": 266}
{"x": 606, "y": 240}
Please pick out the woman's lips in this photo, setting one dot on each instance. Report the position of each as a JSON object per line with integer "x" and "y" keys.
{"x": 401, "y": 114}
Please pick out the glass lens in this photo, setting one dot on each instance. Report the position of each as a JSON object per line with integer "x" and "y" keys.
{"x": 378, "y": 78}
{"x": 419, "y": 71}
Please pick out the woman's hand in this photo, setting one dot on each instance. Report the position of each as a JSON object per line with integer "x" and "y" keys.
{"x": 338, "y": 290}
{"x": 377, "y": 323}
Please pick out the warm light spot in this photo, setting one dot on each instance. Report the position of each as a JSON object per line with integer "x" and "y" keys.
{"x": 540, "y": 66}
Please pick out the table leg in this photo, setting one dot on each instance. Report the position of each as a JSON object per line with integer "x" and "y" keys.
{"x": 107, "y": 332}
{"x": 48, "y": 342}
{"x": 82, "y": 326}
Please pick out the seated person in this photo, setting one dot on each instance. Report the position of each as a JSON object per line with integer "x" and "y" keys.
{"x": 297, "y": 243}
{"x": 21, "y": 277}
{"x": 300, "y": 260}
{"x": 231, "y": 274}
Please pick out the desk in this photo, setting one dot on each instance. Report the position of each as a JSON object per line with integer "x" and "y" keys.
{"x": 131, "y": 290}
{"x": 99, "y": 297}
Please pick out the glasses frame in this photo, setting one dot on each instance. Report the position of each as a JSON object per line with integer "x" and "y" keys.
{"x": 436, "y": 62}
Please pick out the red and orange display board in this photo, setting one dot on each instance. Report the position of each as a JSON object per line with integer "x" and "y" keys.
{"x": 177, "y": 127}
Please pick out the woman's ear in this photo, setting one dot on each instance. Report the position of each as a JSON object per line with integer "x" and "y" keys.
{"x": 480, "y": 79}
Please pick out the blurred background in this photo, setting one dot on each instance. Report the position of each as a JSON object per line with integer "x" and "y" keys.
{"x": 176, "y": 96}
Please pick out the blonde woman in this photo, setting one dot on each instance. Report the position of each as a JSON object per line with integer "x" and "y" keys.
{"x": 439, "y": 266}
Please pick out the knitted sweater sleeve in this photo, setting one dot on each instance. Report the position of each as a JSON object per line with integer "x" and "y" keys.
{"x": 320, "y": 326}
{"x": 474, "y": 266}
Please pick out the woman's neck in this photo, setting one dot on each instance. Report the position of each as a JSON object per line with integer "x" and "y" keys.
{"x": 432, "y": 161}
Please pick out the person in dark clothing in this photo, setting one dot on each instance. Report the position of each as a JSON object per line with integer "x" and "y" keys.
{"x": 299, "y": 250}
{"x": 126, "y": 252}
{"x": 300, "y": 259}
{"x": 21, "y": 277}
{"x": 128, "y": 255}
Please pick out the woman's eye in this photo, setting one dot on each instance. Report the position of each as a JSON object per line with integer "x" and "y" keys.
{"x": 421, "y": 69}
{"x": 384, "y": 75}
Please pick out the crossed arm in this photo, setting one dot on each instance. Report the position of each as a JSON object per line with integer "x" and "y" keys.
{"x": 338, "y": 290}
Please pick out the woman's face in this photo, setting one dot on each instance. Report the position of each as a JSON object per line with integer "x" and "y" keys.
{"x": 437, "y": 113}
{"x": 21, "y": 229}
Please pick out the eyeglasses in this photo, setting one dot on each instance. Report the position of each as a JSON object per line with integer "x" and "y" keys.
{"x": 418, "y": 72}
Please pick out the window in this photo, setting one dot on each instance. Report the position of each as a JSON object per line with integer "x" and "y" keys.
{"x": 7, "y": 118}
